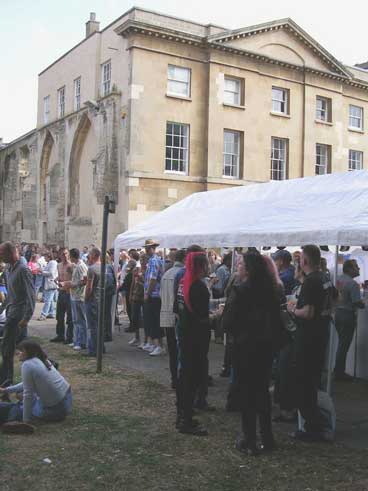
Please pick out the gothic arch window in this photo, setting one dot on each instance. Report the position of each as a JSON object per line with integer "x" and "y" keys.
{"x": 74, "y": 164}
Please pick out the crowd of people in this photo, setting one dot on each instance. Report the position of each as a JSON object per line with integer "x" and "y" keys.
{"x": 272, "y": 313}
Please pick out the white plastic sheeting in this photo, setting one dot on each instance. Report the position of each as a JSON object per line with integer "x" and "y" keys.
{"x": 329, "y": 209}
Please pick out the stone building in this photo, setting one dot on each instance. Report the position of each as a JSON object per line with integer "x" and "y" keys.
{"x": 152, "y": 108}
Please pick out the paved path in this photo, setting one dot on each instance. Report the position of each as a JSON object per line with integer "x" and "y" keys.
{"x": 351, "y": 400}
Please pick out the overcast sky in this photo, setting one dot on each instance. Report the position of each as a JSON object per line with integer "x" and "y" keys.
{"x": 33, "y": 33}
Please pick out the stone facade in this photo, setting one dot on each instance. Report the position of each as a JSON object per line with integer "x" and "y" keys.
{"x": 54, "y": 179}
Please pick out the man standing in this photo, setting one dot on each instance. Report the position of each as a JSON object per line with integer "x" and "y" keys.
{"x": 92, "y": 296}
{"x": 222, "y": 277}
{"x": 346, "y": 314}
{"x": 286, "y": 270}
{"x": 312, "y": 313}
{"x": 20, "y": 304}
{"x": 77, "y": 287}
{"x": 63, "y": 306}
{"x": 50, "y": 274}
{"x": 152, "y": 300}
{"x": 84, "y": 254}
{"x": 167, "y": 317}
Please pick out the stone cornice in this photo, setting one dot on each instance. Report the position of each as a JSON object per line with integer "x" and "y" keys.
{"x": 136, "y": 27}
{"x": 216, "y": 43}
{"x": 293, "y": 28}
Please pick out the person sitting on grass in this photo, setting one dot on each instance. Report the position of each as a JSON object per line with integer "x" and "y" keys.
{"x": 47, "y": 396}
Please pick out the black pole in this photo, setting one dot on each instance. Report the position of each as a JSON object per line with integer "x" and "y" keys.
{"x": 101, "y": 309}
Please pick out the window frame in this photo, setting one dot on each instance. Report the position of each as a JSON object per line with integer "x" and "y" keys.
{"x": 285, "y": 101}
{"x": 351, "y": 159}
{"x": 46, "y": 109}
{"x": 283, "y": 172}
{"x": 238, "y": 155}
{"x": 188, "y": 83}
{"x": 106, "y": 82}
{"x": 361, "y": 118}
{"x": 328, "y": 109}
{"x": 240, "y": 82}
{"x": 185, "y": 171}
{"x": 61, "y": 102}
{"x": 319, "y": 155}
{"x": 77, "y": 93}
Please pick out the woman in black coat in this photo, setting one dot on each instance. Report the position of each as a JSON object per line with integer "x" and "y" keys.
{"x": 252, "y": 317}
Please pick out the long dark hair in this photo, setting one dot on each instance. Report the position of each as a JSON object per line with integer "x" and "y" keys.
{"x": 260, "y": 279}
{"x": 34, "y": 350}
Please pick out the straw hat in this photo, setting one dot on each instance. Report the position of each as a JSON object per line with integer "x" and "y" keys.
{"x": 151, "y": 243}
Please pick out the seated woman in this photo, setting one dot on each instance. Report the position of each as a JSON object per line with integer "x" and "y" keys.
{"x": 47, "y": 396}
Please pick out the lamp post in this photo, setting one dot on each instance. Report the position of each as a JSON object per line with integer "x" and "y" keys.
{"x": 109, "y": 207}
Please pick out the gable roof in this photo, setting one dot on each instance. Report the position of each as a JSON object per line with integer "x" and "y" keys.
{"x": 287, "y": 24}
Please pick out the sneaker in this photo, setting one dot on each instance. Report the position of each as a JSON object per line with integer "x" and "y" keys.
{"x": 148, "y": 347}
{"x": 50, "y": 317}
{"x": 17, "y": 428}
{"x": 158, "y": 351}
{"x": 77, "y": 348}
{"x": 141, "y": 346}
{"x": 41, "y": 318}
{"x": 71, "y": 345}
{"x": 134, "y": 342}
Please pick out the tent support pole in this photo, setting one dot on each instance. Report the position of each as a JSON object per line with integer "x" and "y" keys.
{"x": 332, "y": 333}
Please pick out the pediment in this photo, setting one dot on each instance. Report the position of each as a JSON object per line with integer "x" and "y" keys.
{"x": 284, "y": 42}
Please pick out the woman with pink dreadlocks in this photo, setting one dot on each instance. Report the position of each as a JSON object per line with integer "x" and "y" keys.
{"x": 193, "y": 335}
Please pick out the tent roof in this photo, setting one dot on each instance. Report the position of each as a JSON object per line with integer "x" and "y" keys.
{"x": 329, "y": 209}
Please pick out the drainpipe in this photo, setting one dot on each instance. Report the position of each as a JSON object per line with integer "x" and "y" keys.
{"x": 302, "y": 170}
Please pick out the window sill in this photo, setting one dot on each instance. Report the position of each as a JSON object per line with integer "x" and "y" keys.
{"x": 231, "y": 178}
{"x": 320, "y": 121}
{"x": 236, "y": 106}
{"x": 181, "y": 97}
{"x": 176, "y": 172}
{"x": 356, "y": 130}
{"x": 281, "y": 115}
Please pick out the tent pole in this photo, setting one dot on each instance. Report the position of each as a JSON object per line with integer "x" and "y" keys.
{"x": 332, "y": 332}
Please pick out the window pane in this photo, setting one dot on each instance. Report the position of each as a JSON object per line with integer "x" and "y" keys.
{"x": 231, "y": 154}
{"x": 176, "y": 147}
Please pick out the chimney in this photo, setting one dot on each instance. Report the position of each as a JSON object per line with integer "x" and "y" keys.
{"x": 92, "y": 25}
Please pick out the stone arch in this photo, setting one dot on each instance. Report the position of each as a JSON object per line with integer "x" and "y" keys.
{"x": 24, "y": 161}
{"x": 281, "y": 51}
{"x": 44, "y": 169}
{"x": 74, "y": 164}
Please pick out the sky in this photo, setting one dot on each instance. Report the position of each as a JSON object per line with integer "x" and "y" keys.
{"x": 34, "y": 33}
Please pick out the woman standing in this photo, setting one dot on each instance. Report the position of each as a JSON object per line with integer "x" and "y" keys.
{"x": 193, "y": 334}
{"x": 253, "y": 319}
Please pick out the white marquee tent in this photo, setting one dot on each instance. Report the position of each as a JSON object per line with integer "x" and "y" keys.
{"x": 329, "y": 209}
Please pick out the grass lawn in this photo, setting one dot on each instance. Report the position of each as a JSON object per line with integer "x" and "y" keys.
{"x": 121, "y": 436}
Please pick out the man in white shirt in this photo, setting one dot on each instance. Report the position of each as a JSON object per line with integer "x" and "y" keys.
{"x": 50, "y": 273}
{"x": 167, "y": 316}
{"x": 77, "y": 289}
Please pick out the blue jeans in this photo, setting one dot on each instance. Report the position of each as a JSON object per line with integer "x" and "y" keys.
{"x": 80, "y": 322}
{"x": 38, "y": 282}
{"x": 13, "y": 411}
{"x": 92, "y": 324}
{"x": 55, "y": 413}
{"x": 50, "y": 297}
